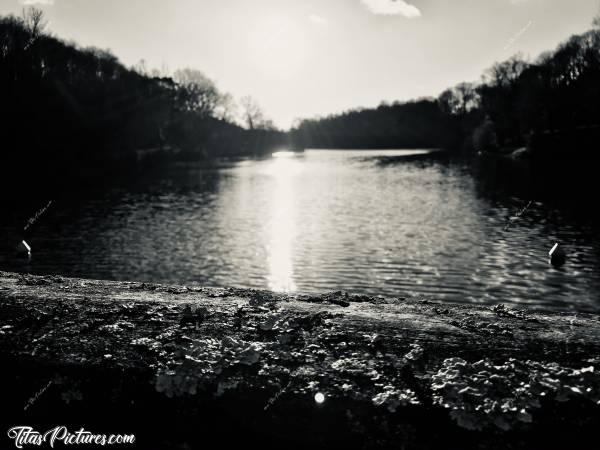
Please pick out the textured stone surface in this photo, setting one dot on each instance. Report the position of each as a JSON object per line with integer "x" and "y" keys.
{"x": 392, "y": 371}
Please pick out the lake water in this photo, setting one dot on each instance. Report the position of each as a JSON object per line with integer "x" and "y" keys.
{"x": 320, "y": 221}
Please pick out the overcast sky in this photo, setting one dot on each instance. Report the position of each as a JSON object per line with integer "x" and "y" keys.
{"x": 302, "y": 58}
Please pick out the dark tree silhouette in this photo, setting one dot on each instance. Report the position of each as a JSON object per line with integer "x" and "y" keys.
{"x": 515, "y": 101}
{"x": 71, "y": 112}
{"x": 253, "y": 115}
{"x": 196, "y": 93}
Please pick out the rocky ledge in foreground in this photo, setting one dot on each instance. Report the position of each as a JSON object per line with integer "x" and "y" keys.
{"x": 194, "y": 367}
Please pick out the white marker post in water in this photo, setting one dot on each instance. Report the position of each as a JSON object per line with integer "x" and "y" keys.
{"x": 23, "y": 247}
{"x": 557, "y": 255}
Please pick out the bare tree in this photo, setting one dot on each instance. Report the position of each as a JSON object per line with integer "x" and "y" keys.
{"x": 447, "y": 101}
{"x": 254, "y": 116}
{"x": 226, "y": 108}
{"x": 141, "y": 67}
{"x": 469, "y": 99}
{"x": 508, "y": 72}
{"x": 163, "y": 72}
{"x": 34, "y": 21}
{"x": 198, "y": 93}
{"x": 460, "y": 99}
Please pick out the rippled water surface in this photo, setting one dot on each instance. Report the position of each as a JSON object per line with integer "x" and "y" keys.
{"x": 321, "y": 221}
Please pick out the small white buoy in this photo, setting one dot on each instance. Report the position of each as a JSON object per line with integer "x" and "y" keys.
{"x": 23, "y": 247}
{"x": 557, "y": 255}
{"x": 319, "y": 398}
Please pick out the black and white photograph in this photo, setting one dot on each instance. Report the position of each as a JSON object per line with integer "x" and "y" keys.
{"x": 300, "y": 224}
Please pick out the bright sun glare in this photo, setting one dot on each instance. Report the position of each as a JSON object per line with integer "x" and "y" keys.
{"x": 278, "y": 47}
{"x": 283, "y": 168}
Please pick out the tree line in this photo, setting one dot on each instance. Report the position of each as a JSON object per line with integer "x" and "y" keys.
{"x": 515, "y": 101}
{"x": 66, "y": 110}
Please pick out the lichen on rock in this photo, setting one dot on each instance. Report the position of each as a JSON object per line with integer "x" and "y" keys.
{"x": 504, "y": 395}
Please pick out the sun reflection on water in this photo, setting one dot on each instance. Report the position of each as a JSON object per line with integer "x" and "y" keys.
{"x": 283, "y": 168}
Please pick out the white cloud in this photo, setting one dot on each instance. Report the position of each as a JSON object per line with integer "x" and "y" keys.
{"x": 318, "y": 20}
{"x": 36, "y": 2}
{"x": 392, "y": 8}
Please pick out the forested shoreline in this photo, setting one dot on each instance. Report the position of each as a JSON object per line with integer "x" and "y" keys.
{"x": 514, "y": 103}
{"x": 70, "y": 112}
